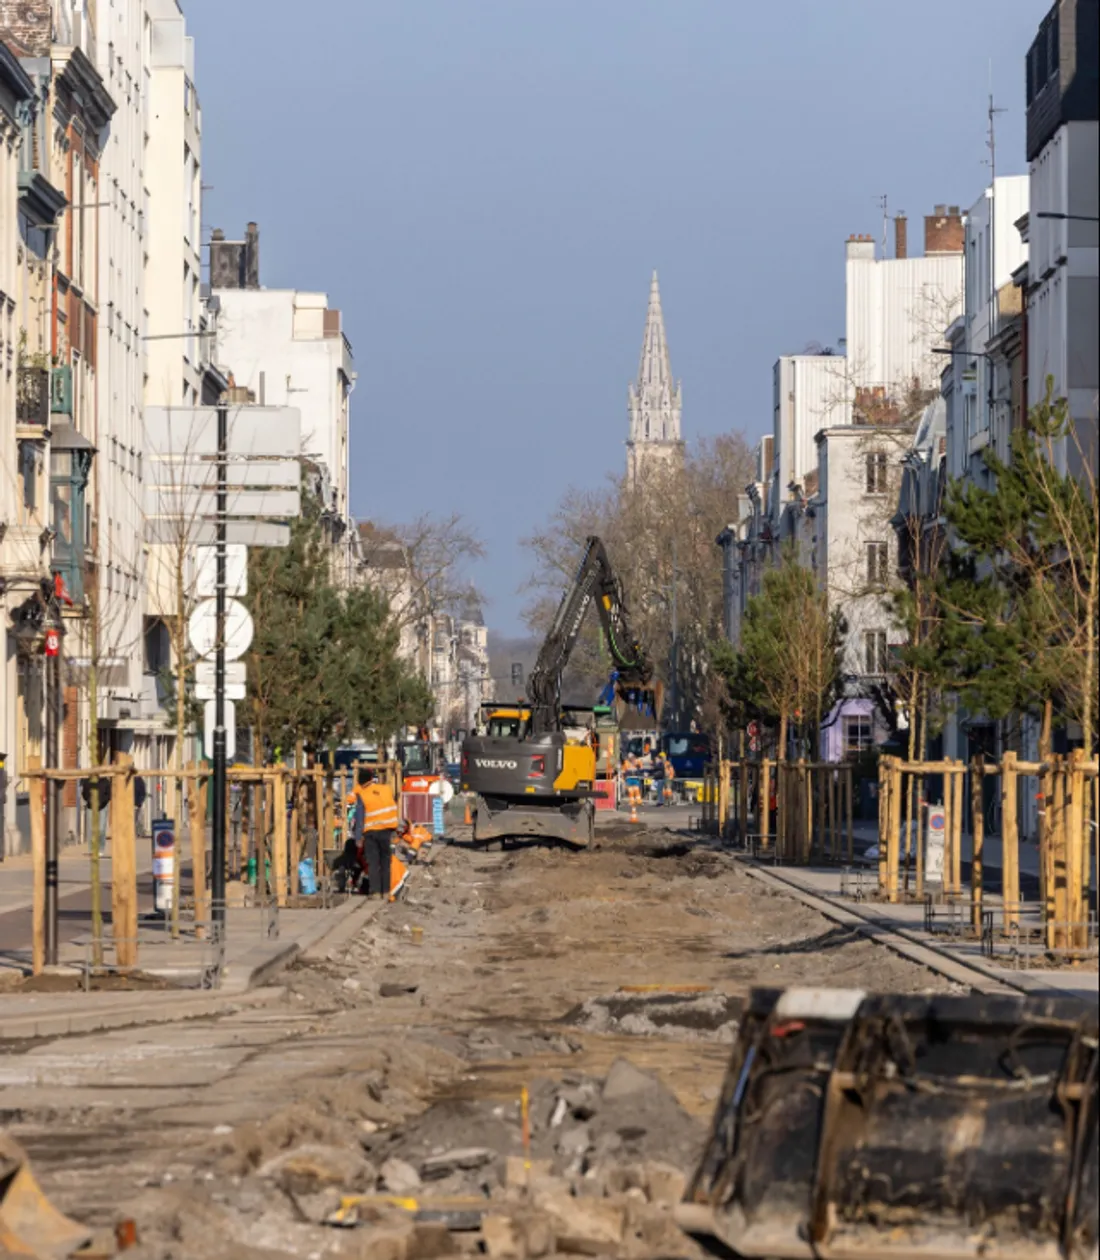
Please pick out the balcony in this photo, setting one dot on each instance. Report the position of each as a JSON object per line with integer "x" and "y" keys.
{"x": 32, "y": 398}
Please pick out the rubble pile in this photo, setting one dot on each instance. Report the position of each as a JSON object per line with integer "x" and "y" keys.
{"x": 600, "y": 1173}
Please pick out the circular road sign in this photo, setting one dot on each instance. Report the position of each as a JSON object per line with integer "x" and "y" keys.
{"x": 202, "y": 628}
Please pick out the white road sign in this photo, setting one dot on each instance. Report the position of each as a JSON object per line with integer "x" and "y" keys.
{"x": 206, "y": 691}
{"x": 230, "y": 729}
{"x": 202, "y": 629}
{"x": 240, "y": 474}
{"x": 189, "y": 503}
{"x": 234, "y": 673}
{"x": 192, "y": 432}
{"x": 236, "y": 571}
{"x": 190, "y": 533}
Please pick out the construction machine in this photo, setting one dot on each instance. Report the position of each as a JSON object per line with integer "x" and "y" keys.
{"x": 533, "y": 770}
{"x": 891, "y": 1127}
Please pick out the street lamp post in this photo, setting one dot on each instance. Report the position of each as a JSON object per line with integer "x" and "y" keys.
{"x": 54, "y": 635}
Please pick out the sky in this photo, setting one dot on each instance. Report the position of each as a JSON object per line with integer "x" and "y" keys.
{"x": 484, "y": 187}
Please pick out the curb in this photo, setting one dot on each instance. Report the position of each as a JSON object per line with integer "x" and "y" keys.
{"x": 70, "y": 1023}
{"x": 901, "y": 941}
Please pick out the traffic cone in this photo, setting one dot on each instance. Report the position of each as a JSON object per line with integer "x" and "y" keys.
{"x": 469, "y": 818}
{"x": 633, "y": 808}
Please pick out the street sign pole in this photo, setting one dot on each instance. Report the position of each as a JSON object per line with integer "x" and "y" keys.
{"x": 217, "y": 874}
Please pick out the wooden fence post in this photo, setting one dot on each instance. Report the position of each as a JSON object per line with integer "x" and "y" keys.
{"x": 723, "y": 797}
{"x": 805, "y": 811}
{"x": 977, "y": 840}
{"x": 883, "y": 818}
{"x": 295, "y": 833}
{"x": 279, "y": 855}
{"x": 1046, "y": 846}
{"x": 849, "y": 784}
{"x": 958, "y": 786}
{"x": 765, "y": 803}
{"x": 1076, "y": 853}
{"x": 1010, "y": 844}
{"x": 124, "y": 905}
{"x": 893, "y": 851}
{"x": 37, "y": 783}
{"x": 196, "y": 812}
{"x": 1057, "y": 838}
{"x": 743, "y": 800}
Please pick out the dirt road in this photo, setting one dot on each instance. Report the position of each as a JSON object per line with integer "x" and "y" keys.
{"x": 606, "y": 984}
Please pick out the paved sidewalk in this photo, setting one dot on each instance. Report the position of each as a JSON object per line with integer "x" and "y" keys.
{"x": 253, "y": 957}
{"x": 901, "y": 926}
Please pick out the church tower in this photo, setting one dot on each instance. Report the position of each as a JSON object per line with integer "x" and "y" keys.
{"x": 654, "y": 399}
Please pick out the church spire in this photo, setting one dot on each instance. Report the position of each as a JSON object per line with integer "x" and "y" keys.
{"x": 654, "y": 399}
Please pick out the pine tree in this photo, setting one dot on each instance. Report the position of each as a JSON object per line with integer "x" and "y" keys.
{"x": 1017, "y": 601}
{"x": 323, "y": 666}
{"x": 790, "y": 663}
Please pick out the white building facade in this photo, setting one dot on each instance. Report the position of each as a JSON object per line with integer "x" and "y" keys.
{"x": 172, "y": 163}
{"x": 287, "y": 348}
{"x": 123, "y": 58}
{"x": 1063, "y": 138}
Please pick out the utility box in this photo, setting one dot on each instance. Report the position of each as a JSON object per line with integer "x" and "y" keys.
{"x": 164, "y": 864}
{"x": 935, "y": 834}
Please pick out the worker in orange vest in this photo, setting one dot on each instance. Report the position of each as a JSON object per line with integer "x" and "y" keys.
{"x": 372, "y": 828}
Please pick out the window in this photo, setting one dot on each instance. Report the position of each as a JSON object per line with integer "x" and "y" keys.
{"x": 876, "y": 472}
{"x": 878, "y": 563}
{"x": 858, "y": 735}
{"x": 875, "y": 657}
{"x": 28, "y": 472}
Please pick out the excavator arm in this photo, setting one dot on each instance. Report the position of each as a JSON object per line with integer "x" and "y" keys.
{"x": 595, "y": 581}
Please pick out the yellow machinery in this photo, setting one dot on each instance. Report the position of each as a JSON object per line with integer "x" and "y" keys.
{"x": 533, "y": 771}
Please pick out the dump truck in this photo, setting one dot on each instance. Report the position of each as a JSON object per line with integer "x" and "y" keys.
{"x": 532, "y": 772}
{"x": 856, "y": 1125}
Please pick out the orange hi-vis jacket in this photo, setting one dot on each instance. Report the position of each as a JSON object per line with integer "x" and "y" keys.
{"x": 375, "y": 808}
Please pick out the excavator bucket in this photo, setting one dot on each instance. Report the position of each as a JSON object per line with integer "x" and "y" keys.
{"x": 641, "y": 705}
{"x": 884, "y": 1127}
{"x": 29, "y": 1223}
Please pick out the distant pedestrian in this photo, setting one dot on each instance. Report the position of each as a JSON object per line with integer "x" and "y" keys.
{"x": 373, "y": 824}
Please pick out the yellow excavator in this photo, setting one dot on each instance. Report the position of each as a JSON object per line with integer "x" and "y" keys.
{"x": 533, "y": 770}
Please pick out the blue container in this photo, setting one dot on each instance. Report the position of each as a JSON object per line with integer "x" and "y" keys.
{"x": 307, "y": 881}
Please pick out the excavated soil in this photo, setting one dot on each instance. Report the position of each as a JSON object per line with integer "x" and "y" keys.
{"x": 594, "y": 992}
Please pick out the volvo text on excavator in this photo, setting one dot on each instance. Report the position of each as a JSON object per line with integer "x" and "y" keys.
{"x": 533, "y": 770}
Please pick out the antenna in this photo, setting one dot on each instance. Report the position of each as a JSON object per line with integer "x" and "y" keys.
{"x": 885, "y": 222}
{"x": 991, "y": 131}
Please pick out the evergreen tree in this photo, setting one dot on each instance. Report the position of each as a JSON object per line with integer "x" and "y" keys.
{"x": 1016, "y": 629}
{"x": 323, "y": 666}
{"x": 790, "y": 663}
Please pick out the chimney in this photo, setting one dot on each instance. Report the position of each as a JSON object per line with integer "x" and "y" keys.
{"x": 901, "y": 236}
{"x": 860, "y": 247}
{"x": 943, "y": 231}
{"x": 251, "y": 277}
{"x": 224, "y": 262}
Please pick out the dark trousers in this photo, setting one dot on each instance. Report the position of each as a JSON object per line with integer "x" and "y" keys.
{"x": 376, "y": 846}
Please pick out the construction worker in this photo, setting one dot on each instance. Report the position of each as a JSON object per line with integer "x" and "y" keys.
{"x": 668, "y": 780}
{"x": 372, "y": 829}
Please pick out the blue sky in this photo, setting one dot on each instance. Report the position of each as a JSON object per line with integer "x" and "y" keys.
{"x": 484, "y": 186}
